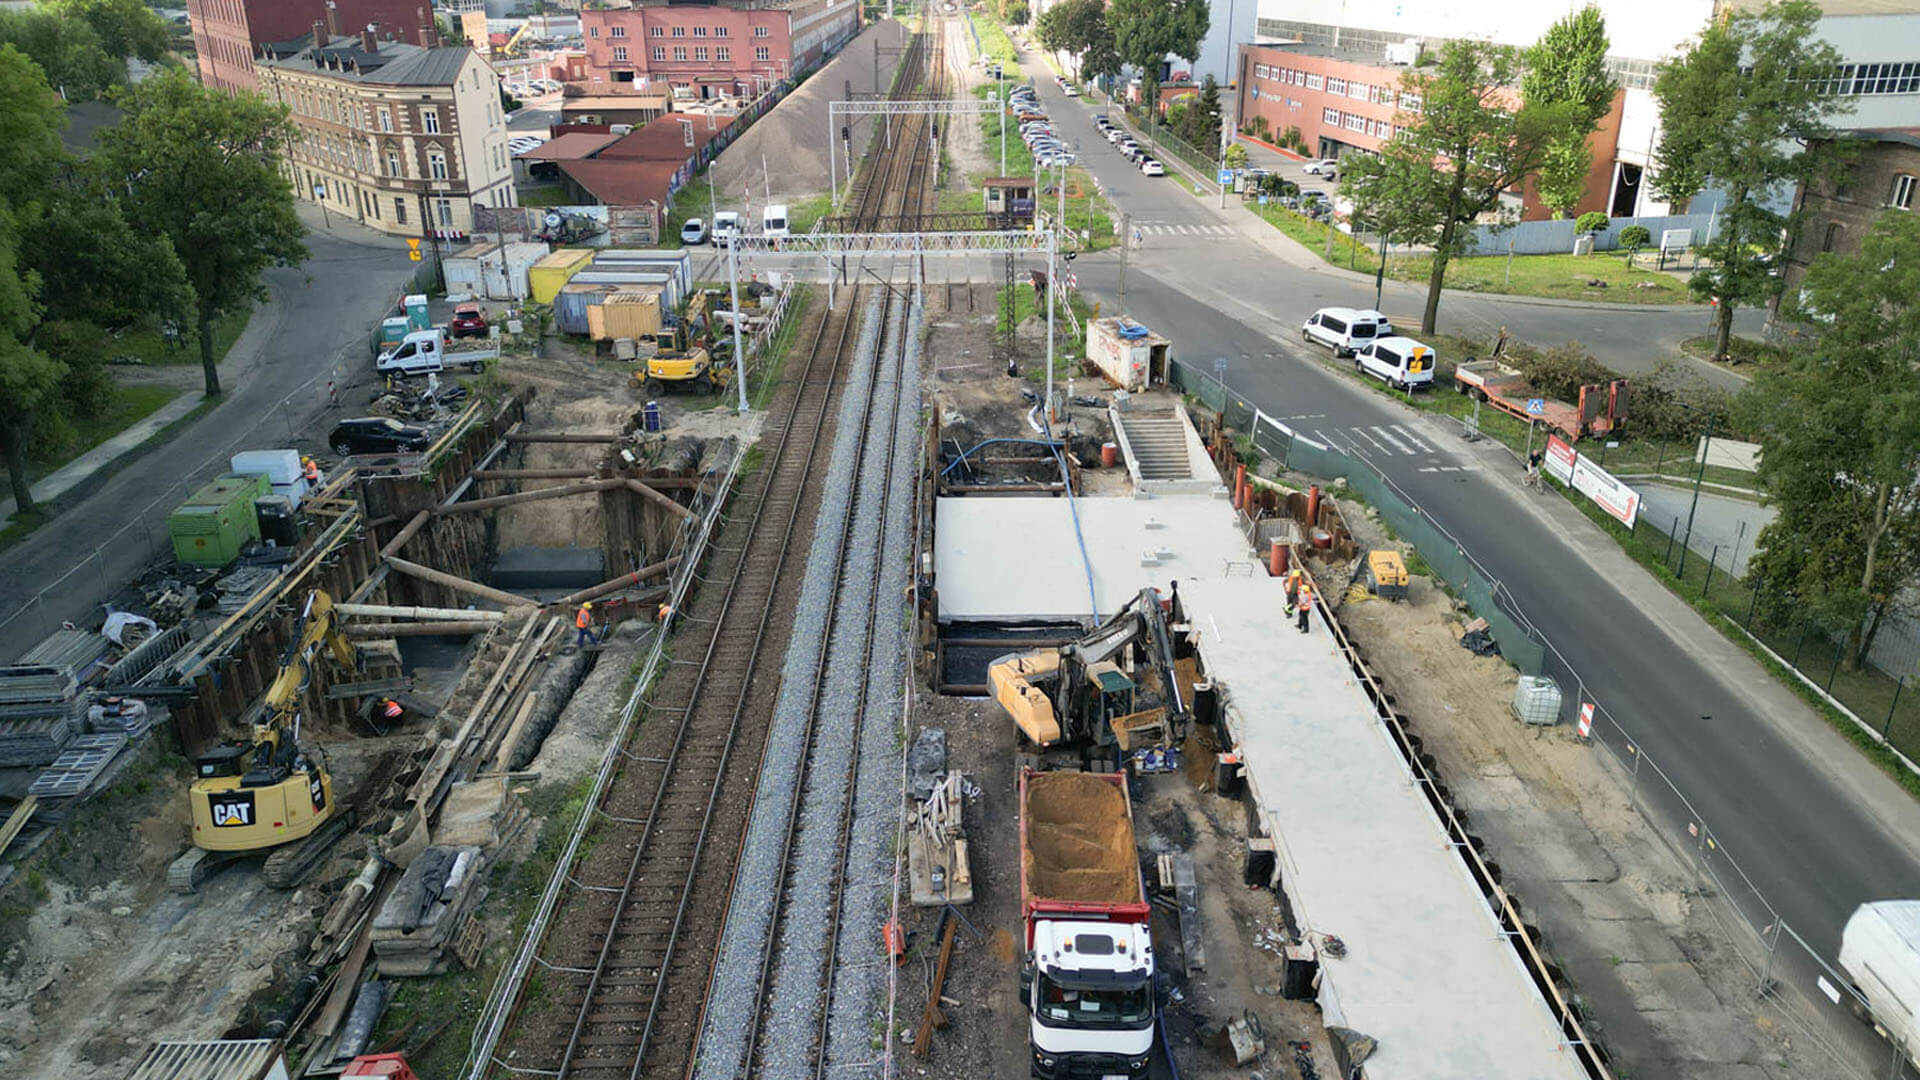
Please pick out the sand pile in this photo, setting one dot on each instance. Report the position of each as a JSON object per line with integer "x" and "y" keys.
{"x": 1080, "y": 840}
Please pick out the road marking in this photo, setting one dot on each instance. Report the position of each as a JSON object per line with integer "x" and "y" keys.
{"x": 1362, "y": 432}
{"x": 1389, "y": 437}
{"x": 1414, "y": 439}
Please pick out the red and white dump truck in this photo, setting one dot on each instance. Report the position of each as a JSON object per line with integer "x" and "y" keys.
{"x": 1087, "y": 979}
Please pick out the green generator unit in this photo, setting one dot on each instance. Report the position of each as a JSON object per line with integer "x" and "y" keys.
{"x": 210, "y": 528}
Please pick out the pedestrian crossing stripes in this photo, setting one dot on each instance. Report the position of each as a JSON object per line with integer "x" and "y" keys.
{"x": 1165, "y": 228}
{"x": 1394, "y": 439}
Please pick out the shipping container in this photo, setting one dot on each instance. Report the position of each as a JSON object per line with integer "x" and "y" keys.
{"x": 493, "y": 270}
{"x": 628, "y": 278}
{"x": 678, "y": 263}
{"x": 624, "y": 313}
{"x": 1128, "y": 354}
{"x": 546, "y": 276}
{"x": 570, "y": 306}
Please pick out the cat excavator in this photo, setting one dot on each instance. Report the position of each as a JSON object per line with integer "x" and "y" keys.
{"x": 1120, "y": 686}
{"x": 268, "y": 792}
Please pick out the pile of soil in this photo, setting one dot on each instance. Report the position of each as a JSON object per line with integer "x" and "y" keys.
{"x": 1080, "y": 840}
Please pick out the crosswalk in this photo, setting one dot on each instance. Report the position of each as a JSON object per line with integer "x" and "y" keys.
{"x": 1390, "y": 439}
{"x": 1168, "y": 228}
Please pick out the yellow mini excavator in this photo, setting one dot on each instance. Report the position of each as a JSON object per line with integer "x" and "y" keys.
{"x": 1119, "y": 686}
{"x": 269, "y": 793}
{"x": 683, "y": 356}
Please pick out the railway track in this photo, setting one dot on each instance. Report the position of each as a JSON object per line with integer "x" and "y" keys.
{"x": 624, "y": 967}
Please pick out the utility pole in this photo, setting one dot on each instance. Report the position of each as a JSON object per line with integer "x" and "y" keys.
{"x": 1706, "y": 443}
{"x": 739, "y": 351}
{"x": 1380, "y": 272}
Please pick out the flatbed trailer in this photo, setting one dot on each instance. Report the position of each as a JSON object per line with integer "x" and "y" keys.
{"x": 1601, "y": 410}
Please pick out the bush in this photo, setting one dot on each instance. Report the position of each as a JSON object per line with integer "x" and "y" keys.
{"x": 1236, "y": 157}
{"x": 1261, "y": 128}
{"x": 1635, "y": 237}
{"x": 1674, "y": 403}
{"x": 1560, "y": 371}
{"x": 1591, "y": 222}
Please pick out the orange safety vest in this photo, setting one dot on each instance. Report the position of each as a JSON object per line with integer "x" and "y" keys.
{"x": 312, "y": 471}
{"x": 582, "y": 618}
{"x": 1306, "y": 599}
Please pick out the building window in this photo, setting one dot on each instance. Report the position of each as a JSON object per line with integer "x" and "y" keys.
{"x": 1360, "y": 91}
{"x": 1356, "y": 123}
{"x": 1833, "y": 234}
{"x": 679, "y": 31}
{"x": 700, "y": 52}
{"x": 616, "y": 31}
{"x": 437, "y": 165}
{"x": 620, "y": 54}
{"x": 1902, "y": 195}
{"x": 659, "y": 53}
{"x": 386, "y": 118}
{"x": 680, "y": 52}
{"x": 393, "y": 163}
{"x": 1330, "y": 116}
{"x": 1386, "y": 131}
{"x": 1337, "y": 86}
{"x": 1410, "y": 102}
{"x": 656, "y": 31}
{"x": 430, "y": 121}
{"x": 719, "y": 31}
{"x": 1315, "y": 82}
{"x": 400, "y": 211}
{"x": 699, "y": 31}
{"x": 446, "y": 212}
{"x": 722, "y": 53}
{"x": 593, "y": 31}
{"x": 761, "y": 31}
{"x": 761, "y": 52}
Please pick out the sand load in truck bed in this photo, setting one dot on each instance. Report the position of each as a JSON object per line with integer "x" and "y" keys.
{"x": 1079, "y": 840}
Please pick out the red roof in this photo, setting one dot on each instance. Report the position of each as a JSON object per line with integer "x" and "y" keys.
{"x": 665, "y": 139}
{"x": 638, "y": 166}
{"x": 574, "y": 144}
{"x": 622, "y": 183}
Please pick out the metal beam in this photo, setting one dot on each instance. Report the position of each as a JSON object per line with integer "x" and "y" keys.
{"x": 458, "y": 584}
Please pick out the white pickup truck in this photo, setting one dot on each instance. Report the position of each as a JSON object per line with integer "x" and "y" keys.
{"x": 1880, "y": 953}
{"x": 427, "y": 352}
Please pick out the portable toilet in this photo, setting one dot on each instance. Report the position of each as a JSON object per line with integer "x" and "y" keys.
{"x": 417, "y": 317}
{"x": 393, "y": 330}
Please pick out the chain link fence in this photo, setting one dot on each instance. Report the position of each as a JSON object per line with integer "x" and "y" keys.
{"x": 1793, "y": 985}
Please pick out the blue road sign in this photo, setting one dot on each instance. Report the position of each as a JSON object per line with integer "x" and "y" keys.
{"x": 1226, "y": 176}
{"x": 1536, "y": 406}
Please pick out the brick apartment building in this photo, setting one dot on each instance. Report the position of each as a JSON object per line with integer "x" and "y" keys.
{"x": 228, "y": 34}
{"x": 1883, "y": 176}
{"x": 1342, "y": 103}
{"x": 403, "y": 138}
{"x": 733, "y": 48}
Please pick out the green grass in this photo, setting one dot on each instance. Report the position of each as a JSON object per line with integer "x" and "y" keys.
{"x": 150, "y": 346}
{"x": 550, "y": 195}
{"x": 131, "y": 404}
{"x": 994, "y": 41}
{"x": 1088, "y": 211}
{"x": 1740, "y": 351}
{"x": 1312, "y": 235}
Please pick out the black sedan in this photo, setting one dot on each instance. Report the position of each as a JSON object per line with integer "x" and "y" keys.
{"x": 377, "y": 435}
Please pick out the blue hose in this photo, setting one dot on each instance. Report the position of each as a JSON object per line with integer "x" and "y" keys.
{"x": 1050, "y": 444}
{"x": 1086, "y": 561}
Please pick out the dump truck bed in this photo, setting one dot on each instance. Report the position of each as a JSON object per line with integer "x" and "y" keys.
{"x": 1077, "y": 857}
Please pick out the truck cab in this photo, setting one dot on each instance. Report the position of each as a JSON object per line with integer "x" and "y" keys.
{"x": 725, "y": 224}
{"x": 773, "y": 221}
{"x": 1088, "y": 987}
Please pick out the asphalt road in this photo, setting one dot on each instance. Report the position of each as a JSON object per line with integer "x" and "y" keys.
{"x": 275, "y": 380}
{"x": 1817, "y": 829}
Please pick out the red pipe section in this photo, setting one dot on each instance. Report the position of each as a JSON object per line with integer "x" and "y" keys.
{"x": 1239, "y": 486}
{"x": 1313, "y": 505}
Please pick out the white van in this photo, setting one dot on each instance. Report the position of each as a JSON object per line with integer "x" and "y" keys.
{"x": 1400, "y": 362}
{"x": 1345, "y": 330}
{"x": 773, "y": 221}
{"x": 725, "y": 222}
{"x": 1880, "y": 953}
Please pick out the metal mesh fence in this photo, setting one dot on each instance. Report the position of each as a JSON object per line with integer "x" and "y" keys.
{"x": 1795, "y": 988}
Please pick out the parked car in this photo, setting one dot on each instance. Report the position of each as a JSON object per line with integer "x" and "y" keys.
{"x": 693, "y": 232}
{"x": 1114, "y": 135}
{"x": 467, "y": 321}
{"x": 1314, "y": 195}
{"x": 1153, "y": 168}
{"x": 377, "y": 435}
{"x": 1400, "y": 362}
{"x": 1345, "y": 330}
{"x": 1327, "y": 167}
{"x": 724, "y": 224}
{"x": 1070, "y": 90}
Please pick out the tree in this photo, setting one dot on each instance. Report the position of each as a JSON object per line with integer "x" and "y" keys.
{"x": 1017, "y": 12}
{"x": 1236, "y": 157}
{"x": 67, "y": 51}
{"x": 1633, "y": 238}
{"x": 1146, "y": 32}
{"x": 1739, "y": 110}
{"x": 1568, "y": 65}
{"x": 1449, "y": 163}
{"x": 125, "y": 27}
{"x": 30, "y": 124}
{"x": 1080, "y": 28}
{"x": 96, "y": 268}
{"x": 202, "y": 169}
{"x": 1839, "y": 427}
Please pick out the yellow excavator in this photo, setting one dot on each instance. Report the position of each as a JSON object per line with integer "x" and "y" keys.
{"x": 683, "y": 355}
{"x": 1120, "y": 686}
{"x": 269, "y": 793}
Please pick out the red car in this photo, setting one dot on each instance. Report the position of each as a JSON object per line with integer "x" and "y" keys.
{"x": 468, "y": 322}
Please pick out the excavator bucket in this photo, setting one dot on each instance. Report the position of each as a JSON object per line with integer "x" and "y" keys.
{"x": 1011, "y": 680}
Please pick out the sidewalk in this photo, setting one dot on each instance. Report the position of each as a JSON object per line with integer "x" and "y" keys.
{"x": 240, "y": 360}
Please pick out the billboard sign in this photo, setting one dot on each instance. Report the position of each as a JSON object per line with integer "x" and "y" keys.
{"x": 1579, "y": 472}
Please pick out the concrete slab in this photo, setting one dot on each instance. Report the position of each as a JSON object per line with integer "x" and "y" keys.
{"x": 1015, "y": 559}
{"x": 549, "y": 568}
{"x": 1363, "y": 857}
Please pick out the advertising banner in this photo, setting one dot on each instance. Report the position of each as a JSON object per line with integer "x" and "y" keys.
{"x": 1560, "y": 459}
{"x": 1578, "y": 472}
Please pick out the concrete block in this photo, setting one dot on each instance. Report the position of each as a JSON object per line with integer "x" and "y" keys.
{"x": 549, "y": 568}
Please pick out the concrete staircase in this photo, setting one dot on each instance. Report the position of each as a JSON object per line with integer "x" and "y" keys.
{"x": 1159, "y": 445}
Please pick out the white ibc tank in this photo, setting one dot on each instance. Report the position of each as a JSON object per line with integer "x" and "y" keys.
{"x": 1536, "y": 700}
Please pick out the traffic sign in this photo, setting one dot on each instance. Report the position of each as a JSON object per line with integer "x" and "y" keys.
{"x": 413, "y": 249}
{"x": 1263, "y": 200}
{"x": 1536, "y": 406}
{"x": 1586, "y": 720}
{"x": 1225, "y": 176}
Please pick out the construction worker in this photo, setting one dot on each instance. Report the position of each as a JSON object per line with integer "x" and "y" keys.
{"x": 1305, "y": 602}
{"x": 664, "y": 613}
{"x": 1294, "y": 580}
{"x": 583, "y": 622}
{"x": 391, "y": 709}
{"x": 311, "y": 471}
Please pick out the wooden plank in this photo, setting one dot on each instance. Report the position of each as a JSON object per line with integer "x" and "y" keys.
{"x": 923, "y": 1039}
{"x": 17, "y": 821}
